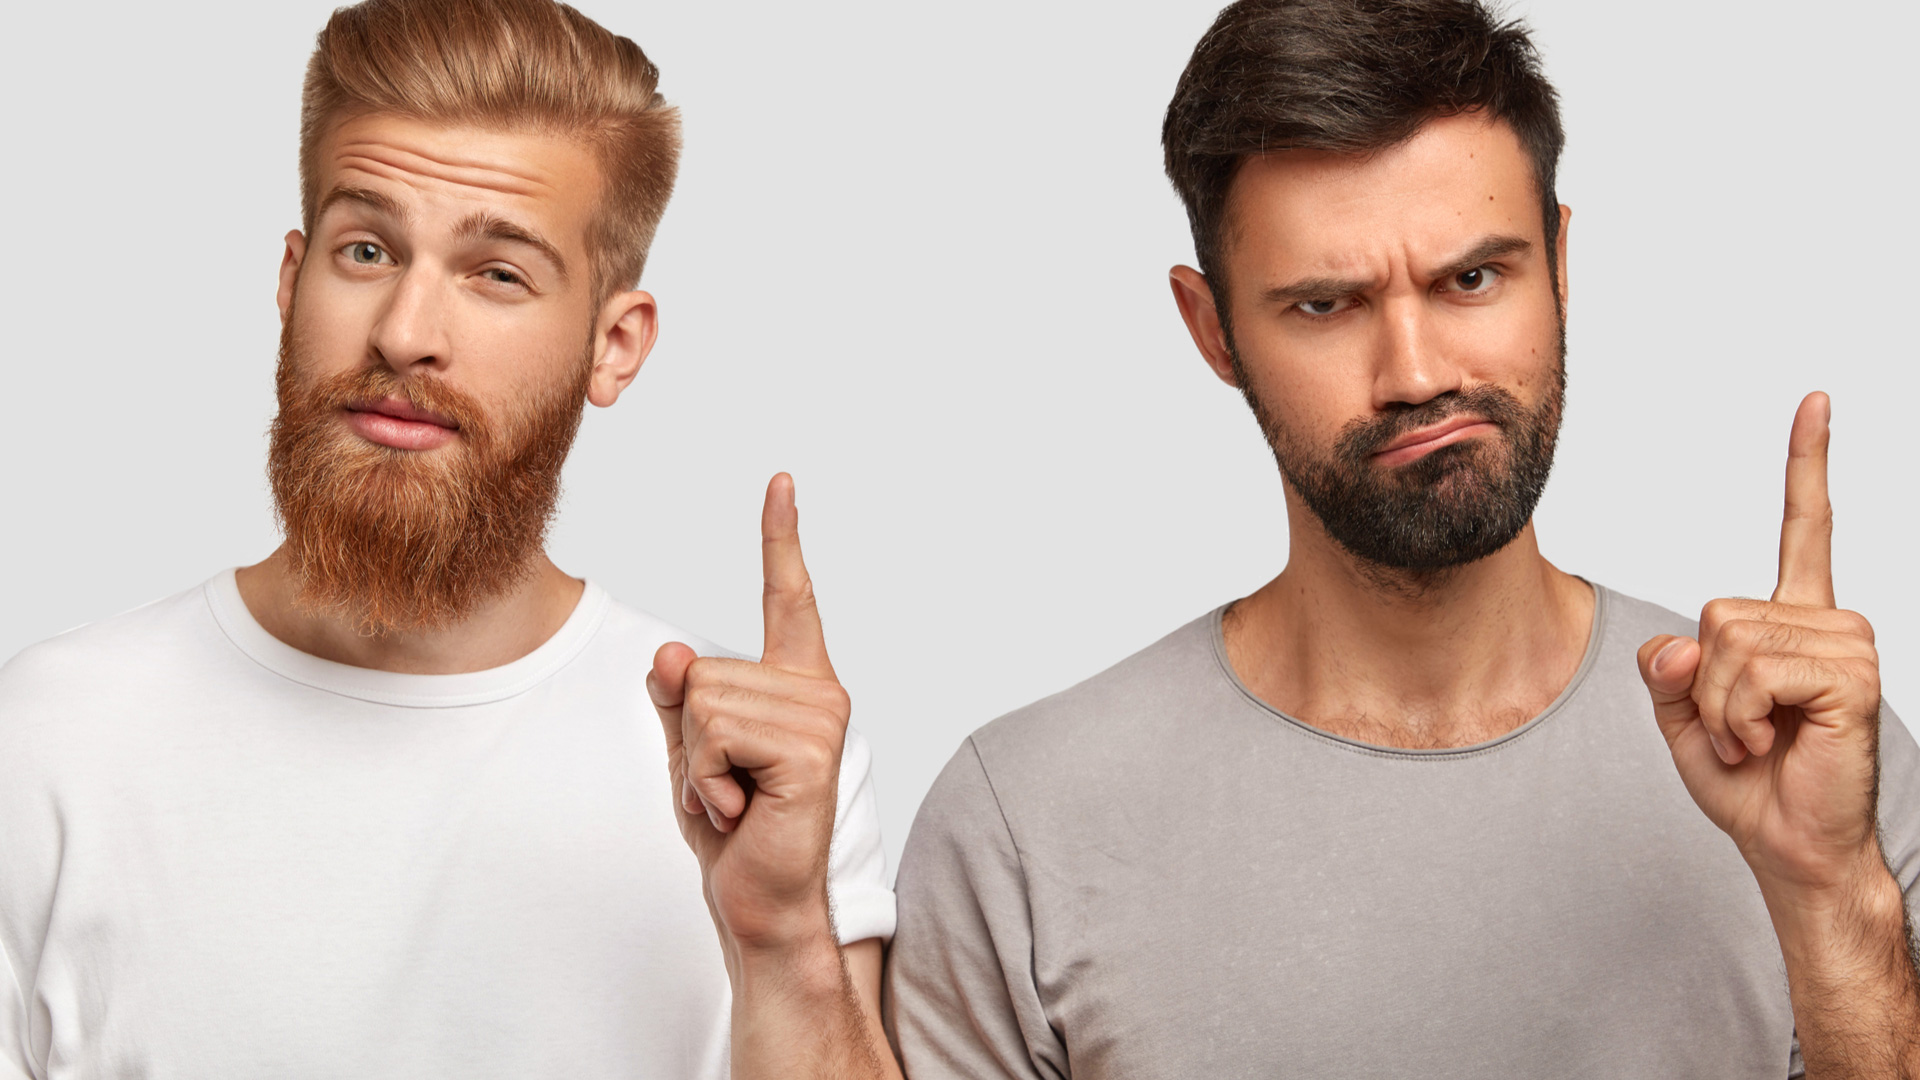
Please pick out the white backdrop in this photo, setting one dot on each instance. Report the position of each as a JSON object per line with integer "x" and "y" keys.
{"x": 918, "y": 257}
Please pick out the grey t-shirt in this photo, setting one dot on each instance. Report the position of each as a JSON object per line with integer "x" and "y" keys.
{"x": 1154, "y": 874}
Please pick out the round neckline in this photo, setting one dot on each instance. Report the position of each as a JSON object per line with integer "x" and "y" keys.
{"x": 1602, "y": 601}
{"x": 400, "y": 688}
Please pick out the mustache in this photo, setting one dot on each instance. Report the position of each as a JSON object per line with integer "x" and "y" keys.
{"x": 1362, "y": 437}
{"x": 424, "y": 392}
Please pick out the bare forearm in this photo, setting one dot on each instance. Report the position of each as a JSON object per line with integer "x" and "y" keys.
{"x": 1850, "y": 970}
{"x": 797, "y": 1015}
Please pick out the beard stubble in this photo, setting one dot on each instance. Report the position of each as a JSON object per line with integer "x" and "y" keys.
{"x": 396, "y": 540}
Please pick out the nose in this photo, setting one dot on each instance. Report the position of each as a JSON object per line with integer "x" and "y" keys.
{"x": 411, "y": 329}
{"x": 1411, "y": 362}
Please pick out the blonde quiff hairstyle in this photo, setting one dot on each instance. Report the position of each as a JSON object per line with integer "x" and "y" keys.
{"x": 518, "y": 64}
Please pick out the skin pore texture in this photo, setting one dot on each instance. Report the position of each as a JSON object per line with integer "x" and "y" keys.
{"x": 457, "y": 257}
{"x": 1350, "y": 301}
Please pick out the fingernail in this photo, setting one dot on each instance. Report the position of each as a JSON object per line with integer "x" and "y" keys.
{"x": 1721, "y": 750}
{"x": 687, "y": 798}
{"x": 1660, "y": 658}
{"x": 714, "y": 817}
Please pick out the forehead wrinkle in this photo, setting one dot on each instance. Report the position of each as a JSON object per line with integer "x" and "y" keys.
{"x": 388, "y": 161}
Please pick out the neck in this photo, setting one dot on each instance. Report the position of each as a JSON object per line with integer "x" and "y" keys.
{"x": 500, "y": 631}
{"x": 1411, "y": 661}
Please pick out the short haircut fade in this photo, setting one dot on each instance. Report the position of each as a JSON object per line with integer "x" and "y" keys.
{"x": 1350, "y": 77}
{"x": 516, "y": 64}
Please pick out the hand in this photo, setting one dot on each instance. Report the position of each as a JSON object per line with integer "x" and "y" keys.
{"x": 753, "y": 750}
{"x": 1773, "y": 715}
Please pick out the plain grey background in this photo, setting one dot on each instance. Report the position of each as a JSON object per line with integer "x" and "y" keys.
{"x": 918, "y": 257}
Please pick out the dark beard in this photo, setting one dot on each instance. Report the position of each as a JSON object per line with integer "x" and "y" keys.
{"x": 1455, "y": 506}
{"x": 392, "y": 540}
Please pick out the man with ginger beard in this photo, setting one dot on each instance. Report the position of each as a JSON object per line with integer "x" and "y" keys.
{"x": 405, "y": 799}
{"x": 393, "y": 541}
{"x": 1423, "y": 805}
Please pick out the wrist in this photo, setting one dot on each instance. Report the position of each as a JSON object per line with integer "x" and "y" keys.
{"x": 806, "y": 966}
{"x": 1841, "y": 923}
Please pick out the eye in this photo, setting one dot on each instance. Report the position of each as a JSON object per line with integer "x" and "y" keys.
{"x": 503, "y": 276}
{"x": 1477, "y": 280}
{"x": 1322, "y": 308}
{"x": 367, "y": 253}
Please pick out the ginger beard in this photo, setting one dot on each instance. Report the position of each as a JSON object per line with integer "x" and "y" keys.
{"x": 403, "y": 540}
{"x": 1454, "y": 506}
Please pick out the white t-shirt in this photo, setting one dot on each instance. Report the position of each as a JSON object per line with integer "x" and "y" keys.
{"x": 223, "y": 857}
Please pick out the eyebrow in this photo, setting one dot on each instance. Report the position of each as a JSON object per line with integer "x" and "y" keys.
{"x": 489, "y": 226}
{"x": 484, "y": 225}
{"x": 1482, "y": 253}
{"x": 1332, "y": 288}
{"x": 367, "y": 197}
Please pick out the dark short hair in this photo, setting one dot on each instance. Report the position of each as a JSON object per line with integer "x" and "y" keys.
{"x": 1350, "y": 77}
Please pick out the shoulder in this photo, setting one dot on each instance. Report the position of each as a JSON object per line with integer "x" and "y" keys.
{"x": 633, "y": 629}
{"x": 1066, "y": 746}
{"x": 76, "y": 696}
{"x": 1630, "y": 618}
{"x": 1140, "y": 689}
{"x": 90, "y": 658}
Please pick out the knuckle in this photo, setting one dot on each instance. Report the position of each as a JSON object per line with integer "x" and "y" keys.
{"x": 716, "y": 729}
{"x": 704, "y": 671}
{"x": 704, "y": 700}
{"x": 1764, "y": 666}
{"x": 821, "y": 755}
{"x": 1742, "y": 635}
{"x": 797, "y": 594}
{"x": 829, "y": 725}
{"x": 835, "y": 699}
{"x": 1852, "y": 622}
{"x": 1717, "y": 613}
{"x": 1865, "y": 671}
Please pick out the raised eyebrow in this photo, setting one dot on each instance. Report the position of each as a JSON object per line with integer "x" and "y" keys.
{"x": 1482, "y": 253}
{"x": 373, "y": 200}
{"x": 487, "y": 226}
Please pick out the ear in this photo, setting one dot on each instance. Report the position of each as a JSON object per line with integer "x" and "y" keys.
{"x": 290, "y": 270}
{"x": 624, "y": 335}
{"x": 1194, "y": 296}
{"x": 1560, "y": 252}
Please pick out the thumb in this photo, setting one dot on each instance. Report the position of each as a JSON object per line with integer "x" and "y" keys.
{"x": 1667, "y": 666}
{"x": 667, "y": 682}
{"x": 667, "y": 687}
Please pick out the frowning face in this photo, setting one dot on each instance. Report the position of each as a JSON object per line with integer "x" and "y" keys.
{"x": 1395, "y": 327}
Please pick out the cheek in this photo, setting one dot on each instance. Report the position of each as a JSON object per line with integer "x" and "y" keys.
{"x": 512, "y": 364}
{"x": 1310, "y": 397}
{"x": 332, "y": 328}
{"x": 1517, "y": 347}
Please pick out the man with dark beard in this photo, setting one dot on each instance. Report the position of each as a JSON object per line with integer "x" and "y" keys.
{"x": 1424, "y": 805}
{"x": 394, "y": 801}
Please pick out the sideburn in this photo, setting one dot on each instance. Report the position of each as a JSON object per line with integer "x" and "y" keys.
{"x": 394, "y": 540}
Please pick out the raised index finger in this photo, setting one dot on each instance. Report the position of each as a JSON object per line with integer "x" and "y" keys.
{"x": 794, "y": 639}
{"x": 1806, "y": 529}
